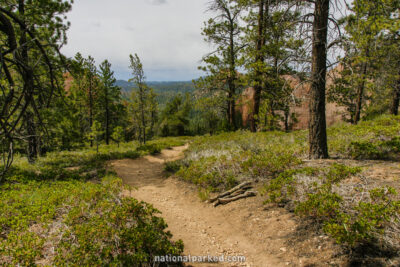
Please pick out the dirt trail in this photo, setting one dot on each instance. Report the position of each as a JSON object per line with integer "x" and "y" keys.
{"x": 242, "y": 228}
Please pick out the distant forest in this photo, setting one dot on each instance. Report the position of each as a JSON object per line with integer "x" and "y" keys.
{"x": 165, "y": 90}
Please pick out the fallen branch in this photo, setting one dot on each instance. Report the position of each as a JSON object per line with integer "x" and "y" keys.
{"x": 236, "y": 188}
{"x": 223, "y": 201}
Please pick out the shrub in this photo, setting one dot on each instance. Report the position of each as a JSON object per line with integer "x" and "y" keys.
{"x": 349, "y": 223}
{"x": 365, "y": 150}
{"x": 172, "y": 166}
{"x": 93, "y": 223}
{"x": 52, "y": 205}
{"x": 152, "y": 149}
{"x": 367, "y": 219}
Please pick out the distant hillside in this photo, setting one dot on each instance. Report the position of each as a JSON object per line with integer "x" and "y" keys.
{"x": 164, "y": 90}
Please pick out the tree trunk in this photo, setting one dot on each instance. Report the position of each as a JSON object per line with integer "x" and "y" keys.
{"x": 259, "y": 60}
{"x": 90, "y": 104}
{"x": 107, "y": 119}
{"x": 231, "y": 107}
{"x": 317, "y": 125}
{"x": 231, "y": 81}
{"x": 142, "y": 115}
{"x": 152, "y": 123}
{"x": 360, "y": 92}
{"x": 287, "y": 114}
{"x": 396, "y": 98}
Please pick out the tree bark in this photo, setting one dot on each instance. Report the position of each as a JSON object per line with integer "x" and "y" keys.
{"x": 259, "y": 61}
{"x": 317, "y": 124}
{"x": 231, "y": 108}
{"x": 396, "y": 98}
{"x": 232, "y": 79}
{"x": 360, "y": 91}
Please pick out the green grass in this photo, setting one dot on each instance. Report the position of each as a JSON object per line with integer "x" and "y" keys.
{"x": 67, "y": 209}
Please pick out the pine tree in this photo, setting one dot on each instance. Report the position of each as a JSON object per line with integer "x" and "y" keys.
{"x": 271, "y": 33}
{"x": 141, "y": 108}
{"x": 109, "y": 96}
{"x": 91, "y": 71}
{"x": 223, "y": 31}
{"x": 30, "y": 35}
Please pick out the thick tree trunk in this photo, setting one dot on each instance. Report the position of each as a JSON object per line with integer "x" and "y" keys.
{"x": 317, "y": 125}
{"x": 360, "y": 93}
{"x": 396, "y": 98}
{"x": 259, "y": 61}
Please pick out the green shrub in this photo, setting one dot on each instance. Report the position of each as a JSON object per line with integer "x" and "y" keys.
{"x": 94, "y": 224}
{"x": 152, "y": 149}
{"x": 349, "y": 223}
{"x": 322, "y": 205}
{"x": 367, "y": 219}
{"x": 172, "y": 166}
{"x": 365, "y": 150}
{"x": 283, "y": 187}
{"x": 87, "y": 223}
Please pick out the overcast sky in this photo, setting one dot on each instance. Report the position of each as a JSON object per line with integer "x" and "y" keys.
{"x": 166, "y": 34}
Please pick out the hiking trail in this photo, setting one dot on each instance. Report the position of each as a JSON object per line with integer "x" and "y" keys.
{"x": 242, "y": 228}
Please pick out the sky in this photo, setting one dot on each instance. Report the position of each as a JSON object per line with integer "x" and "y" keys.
{"x": 166, "y": 35}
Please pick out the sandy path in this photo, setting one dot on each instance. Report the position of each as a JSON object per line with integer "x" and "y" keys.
{"x": 244, "y": 227}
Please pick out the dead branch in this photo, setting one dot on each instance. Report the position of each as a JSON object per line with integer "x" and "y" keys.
{"x": 223, "y": 201}
{"x": 236, "y": 188}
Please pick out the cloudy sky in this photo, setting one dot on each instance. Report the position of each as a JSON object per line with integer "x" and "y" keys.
{"x": 166, "y": 34}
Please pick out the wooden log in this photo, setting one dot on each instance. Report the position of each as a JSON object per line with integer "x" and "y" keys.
{"x": 223, "y": 201}
{"x": 236, "y": 188}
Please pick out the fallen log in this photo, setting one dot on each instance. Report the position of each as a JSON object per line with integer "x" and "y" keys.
{"x": 223, "y": 201}
{"x": 236, "y": 188}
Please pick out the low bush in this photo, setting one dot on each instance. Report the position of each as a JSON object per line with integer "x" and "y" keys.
{"x": 220, "y": 162}
{"x": 52, "y": 214}
{"x": 375, "y": 150}
{"x": 79, "y": 223}
{"x": 315, "y": 195}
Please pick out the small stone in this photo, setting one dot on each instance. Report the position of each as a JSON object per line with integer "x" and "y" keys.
{"x": 283, "y": 249}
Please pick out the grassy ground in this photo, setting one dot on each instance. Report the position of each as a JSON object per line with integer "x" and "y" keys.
{"x": 66, "y": 209}
{"x": 219, "y": 162}
{"x": 351, "y": 207}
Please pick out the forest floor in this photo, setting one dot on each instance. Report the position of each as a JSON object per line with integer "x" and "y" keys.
{"x": 265, "y": 234}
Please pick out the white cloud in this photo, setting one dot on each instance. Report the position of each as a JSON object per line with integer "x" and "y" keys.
{"x": 165, "y": 34}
